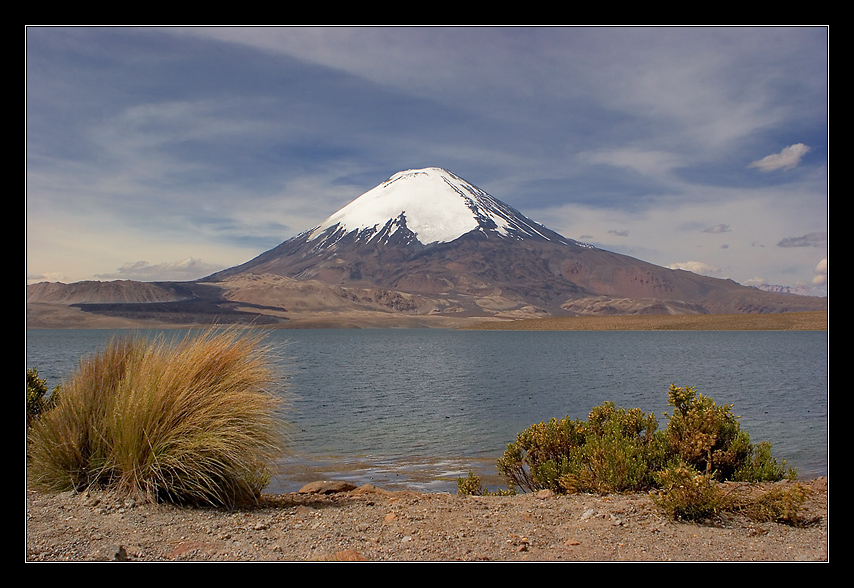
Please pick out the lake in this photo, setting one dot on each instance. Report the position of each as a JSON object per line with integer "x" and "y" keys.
{"x": 418, "y": 408}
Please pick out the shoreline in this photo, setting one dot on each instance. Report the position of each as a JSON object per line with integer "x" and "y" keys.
{"x": 407, "y": 474}
{"x": 784, "y": 321}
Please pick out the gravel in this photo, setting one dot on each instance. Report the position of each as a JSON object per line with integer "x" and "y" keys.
{"x": 374, "y": 525}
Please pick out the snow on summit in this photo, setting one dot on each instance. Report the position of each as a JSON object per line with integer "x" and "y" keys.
{"x": 436, "y": 205}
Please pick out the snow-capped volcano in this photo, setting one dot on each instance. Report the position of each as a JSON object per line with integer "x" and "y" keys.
{"x": 434, "y": 204}
{"x": 426, "y": 241}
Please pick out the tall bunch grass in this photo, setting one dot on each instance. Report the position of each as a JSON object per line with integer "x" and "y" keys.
{"x": 197, "y": 421}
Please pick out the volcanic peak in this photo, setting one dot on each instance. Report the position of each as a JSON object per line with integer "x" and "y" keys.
{"x": 436, "y": 205}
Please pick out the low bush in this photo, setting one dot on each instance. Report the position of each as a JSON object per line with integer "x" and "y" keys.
{"x": 780, "y": 504}
{"x": 613, "y": 451}
{"x": 38, "y": 400}
{"x": 705, "y": 435}
{"x": 688, "y": 494}
{"x": 193, "y": 422}
{"x": 617, "y": 450}
{"x": 709, "y": 437}
{"x": 472, "y": 486}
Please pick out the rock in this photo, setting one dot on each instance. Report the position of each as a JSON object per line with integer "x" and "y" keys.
{"x": 348, "y": 555}
{"x": 327, "y": 487}
{"x": 112, "y": 553}
{"x": 370, "y": 488}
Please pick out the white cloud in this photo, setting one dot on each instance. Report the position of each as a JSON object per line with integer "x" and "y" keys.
{"x": 820, "y": 278}
{"x": 788, "y": 158}
{"x": 186, "y": 269}
{"x": 698, "y": 267}
{"x": 47, "y": 277}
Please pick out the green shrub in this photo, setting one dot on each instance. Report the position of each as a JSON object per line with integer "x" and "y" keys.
{"x": 688, "y": 494}
{"x": 619, "y": 450}
{"x": 705, "y": 435}
{"x": 195, "y": 422}
{"x": 472, "y": 486}
{"x": 38, "y": 401}
{"x": 613, "y": 451}
{"x": 709, "y": 438}
{"x": 761, "y": 466}
{"x": 533, "y": 462}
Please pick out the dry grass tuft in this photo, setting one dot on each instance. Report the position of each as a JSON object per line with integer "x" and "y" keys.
{"x": 193, "y": 422}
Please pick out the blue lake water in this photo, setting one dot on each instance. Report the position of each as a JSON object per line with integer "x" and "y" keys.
{"x": 418, "y": 408}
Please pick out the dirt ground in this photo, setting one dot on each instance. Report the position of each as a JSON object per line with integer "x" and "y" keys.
{"x": 373, "y": 525}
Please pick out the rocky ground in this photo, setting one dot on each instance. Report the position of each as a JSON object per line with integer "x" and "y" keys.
{"x": 374, "y": 525}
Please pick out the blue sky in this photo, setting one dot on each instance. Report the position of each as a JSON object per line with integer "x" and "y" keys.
{"x": 170, "y": 153}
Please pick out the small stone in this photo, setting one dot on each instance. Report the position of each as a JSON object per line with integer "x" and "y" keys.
{"x": 348, "y": 555}
{"x": 370, "y": 488}
{"x": 327, "y": 487}
{"x": 112, "y": 553}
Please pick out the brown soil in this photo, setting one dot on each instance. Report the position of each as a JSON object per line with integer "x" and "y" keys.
{"x": 370, "y": 524}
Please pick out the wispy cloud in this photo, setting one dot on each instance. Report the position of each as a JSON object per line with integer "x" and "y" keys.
{"x": 215, "y": 144}
{"x": 810, "y": 240}
{"x": 698, "y": 267}
{"x": 717, "y": 229}
{"x": 186, "y": 269}
{"x": 788, "y": 158}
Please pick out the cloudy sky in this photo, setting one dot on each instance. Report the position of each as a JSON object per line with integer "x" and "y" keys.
{"x": 170, "y": 153}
